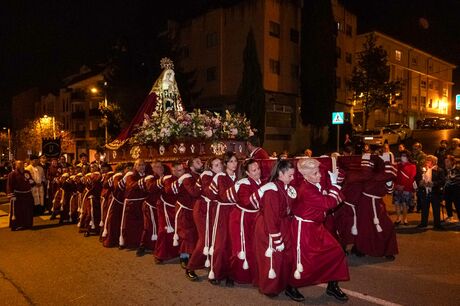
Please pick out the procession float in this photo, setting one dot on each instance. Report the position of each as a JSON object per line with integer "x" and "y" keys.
{"x": 163, "y": 130}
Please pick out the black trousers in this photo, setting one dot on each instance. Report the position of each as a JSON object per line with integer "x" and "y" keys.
{"x": 452, "y": 196}
{"x": 435, "y": 200}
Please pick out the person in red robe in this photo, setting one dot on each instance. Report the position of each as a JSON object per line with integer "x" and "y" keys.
{"x": 91, "y": 216}
{"x": 132, "y": 219}
{"x": 111, "y": 233}
{"x": 200, "y": 257}
{"x": 105, "y": 194}
{"x": 220, "y": 249}
{"x": 149, "y": 208}
{"x": 67, "y": 191}
{"x": 52, "y": 172}
{"x": 166, "y": 209}
{"x": 241, "y": 223}
{"x": 376, "y": 235}
{"x": 19, "y": 191}
{"x": 319, "y": 257}
{"x": 185, "y": 233}
{"x": 273, "y": 234}
{"x": 258, "y": 153}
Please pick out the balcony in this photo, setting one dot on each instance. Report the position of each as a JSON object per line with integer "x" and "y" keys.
{"x": 78, "y": 115}
{"x": 78, "y": 95}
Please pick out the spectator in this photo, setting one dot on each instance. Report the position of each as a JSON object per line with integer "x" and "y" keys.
{"x": 454, "y": 148}
{"x": 308, "y": 153}
{"x": 431, "y": 186}
{"x": 441, "y": 153}
{"x": 452, "y": 188}
{"x": 404, "y": 187}
{"x": 418, "y": 156}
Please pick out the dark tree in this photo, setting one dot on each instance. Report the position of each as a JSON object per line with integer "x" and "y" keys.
{"x": 251, "y": 94}
{"x": 370, "y": 79}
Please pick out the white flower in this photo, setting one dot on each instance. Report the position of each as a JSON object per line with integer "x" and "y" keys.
{"x": 208, "y": 133}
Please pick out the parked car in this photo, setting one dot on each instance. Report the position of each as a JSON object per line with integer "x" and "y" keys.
{"x": 430, "y": 123}
{"x": 402, "y": 129}
{"x": 379, "y": 136}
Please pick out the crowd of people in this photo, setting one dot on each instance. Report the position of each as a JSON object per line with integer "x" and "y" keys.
{"x": 277, "y": 224}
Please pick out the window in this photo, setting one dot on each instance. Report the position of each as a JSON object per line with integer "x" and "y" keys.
{"x": 339, "y": 26}
{"x": 339, "y": 52}
{"x": 414, "y": 99}
{"x": 423, "y": 101}
{"x": 348, "y": 30}
{"x": 423, "y": 84}
{"x": 295, "y": 71}
{"x": 348, "y": 58}
{"x": 211, "y": 74}
{"x": 274, "y": 29}
{"x": 430, "y": 84}
{"x": 275, "y": 66}
{"x": 211, "y": 40}
{"x": 294, "y": 36}
{"x": 338, "y": 82}
{"x": 444, "y": 92}
{"x": 414, "y": 61}
{"x": 430, "y": 104}
{"x": 398, "y": 55}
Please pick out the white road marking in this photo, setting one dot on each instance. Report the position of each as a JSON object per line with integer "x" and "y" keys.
{"x": 365, "y": 297}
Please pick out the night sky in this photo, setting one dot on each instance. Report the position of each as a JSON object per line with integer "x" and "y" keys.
{"x": 42, "y": 41}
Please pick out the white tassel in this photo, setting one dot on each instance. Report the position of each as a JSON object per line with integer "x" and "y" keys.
{"x": 245, "y": 265}
{"x": 297, "y": 274}
{"x": 121, "y": 240}
{"x": 242, "y": 255}
{"x": 207, "y": 263}
{"x": 376, "y": 220}
{"x": 271, "y": 274}
{"x": 300, "y": 267}
{"x": 211, "y": 275}
{"x": 169, "y": 229}
{"x": 379, "y": 228}
{"x": 104, "y": 233}
{"x": 176, "y": 240}
{"x": 354, "y": 230}
{"x": 269, "y": 252}
{"x": 154, "y": 237}
{"x": 211, "y": 250}
{"x": 101, "y": 224}
{"x": 206, "y": 251}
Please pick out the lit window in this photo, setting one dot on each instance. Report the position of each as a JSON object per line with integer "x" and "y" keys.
{"x": 275, "y": 66}
{"x": 274, "y": 29}
{"x": 398, "y": 55}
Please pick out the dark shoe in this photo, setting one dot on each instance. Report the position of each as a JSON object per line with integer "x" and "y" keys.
{"x": 355, "y": 251}
{"x": 183, "y": 263}
{"x": 421, "y": 226}
{"x": 86, "y": 234}
{"x": 229, "y": 282}
{"x": 397, "y": 223}
{"x": 439, "y": 228}
{"x": 334, "y": 290}
{"x": 157, "y": 260}
{"x": 140, "y": 251}
{"x": 191, "y": 275}
{"x": 214, "y": 282}
{"x": 53, "y": 216}
{"x": 390, "y": 257}
{"x": 294, "y": 294}
{"x": 121, "y": 247}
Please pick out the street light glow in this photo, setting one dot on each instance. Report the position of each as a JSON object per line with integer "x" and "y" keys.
{"x": 94, "y": 90}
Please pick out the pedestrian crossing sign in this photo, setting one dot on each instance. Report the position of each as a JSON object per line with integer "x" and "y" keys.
{"x": 457, "y": 102}
{"x": 337, "y": 118}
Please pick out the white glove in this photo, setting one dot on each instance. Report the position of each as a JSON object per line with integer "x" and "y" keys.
{"x": 183, "y": 177}
{"x": 334, "y": 175}
{"x": 13, "y": 199}
{"x": 366, "y": 156}
{"x": 280, "y": 247}
{"x": 386, "y": 157}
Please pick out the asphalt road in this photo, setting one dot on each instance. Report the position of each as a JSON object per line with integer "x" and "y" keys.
{"x": 430, "y": 139}
{"x": 54, "y": 265}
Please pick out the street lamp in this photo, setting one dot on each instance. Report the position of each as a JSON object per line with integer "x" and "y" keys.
{"x": 10, "y": 155}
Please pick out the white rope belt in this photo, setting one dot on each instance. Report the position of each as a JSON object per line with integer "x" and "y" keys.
{"x": 299, "y": 266}
{"x": 376, "y": 219}
{"x": 101, "y": 223}
{"x": 22, "y": 191}
{"x": 354, "y": 229}
{"x": 206, "y": 233}
{"x": 152, "y": 219}
{"x": 176, "y": 236}
{"x": 104, "y": 233}
{"x": 169, "y": 228}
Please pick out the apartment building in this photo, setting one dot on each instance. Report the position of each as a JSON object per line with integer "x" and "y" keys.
{"x": 426, "y": 84}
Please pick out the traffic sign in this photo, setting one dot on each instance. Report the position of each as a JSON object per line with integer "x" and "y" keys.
{"x": 457, "y": 102}
{"x": 338, "y": 118}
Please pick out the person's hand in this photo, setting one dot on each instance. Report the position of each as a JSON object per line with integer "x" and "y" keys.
{"x": 333, "y": 176}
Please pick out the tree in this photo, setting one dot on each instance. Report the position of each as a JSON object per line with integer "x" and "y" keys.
{"x": 317, "y": 66}
{"x": 251, "y": 94}
{"x": 370, "y": 79}
{"x": 30, "y": 137}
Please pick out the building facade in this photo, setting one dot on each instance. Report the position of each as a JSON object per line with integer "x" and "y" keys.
{"x": 426, "y": 84}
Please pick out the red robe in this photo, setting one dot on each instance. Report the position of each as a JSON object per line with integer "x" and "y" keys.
{"x": 149, "y": 210}
{"x": 273, "y": 228}
{"x": 67, "y": 188}
{"x": 166, "y": 210}
{"x": 185, "y": 230}
{"x": 91, "y": 215}
{"x": 241, "y": 229}
{"x": 18, "y": 189}
{"x": 220, "y": 249}
{"x": 376, "y": 234}
{"x": 132, "y": 218}
{"x": 319, "y": 257}
{"x": 105, "y": 196}
{"x": 111, "y": 233}
{"x": 203, "y": 222}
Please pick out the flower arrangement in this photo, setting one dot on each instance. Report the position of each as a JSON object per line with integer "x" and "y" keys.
{"x": 165, "y": 127}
